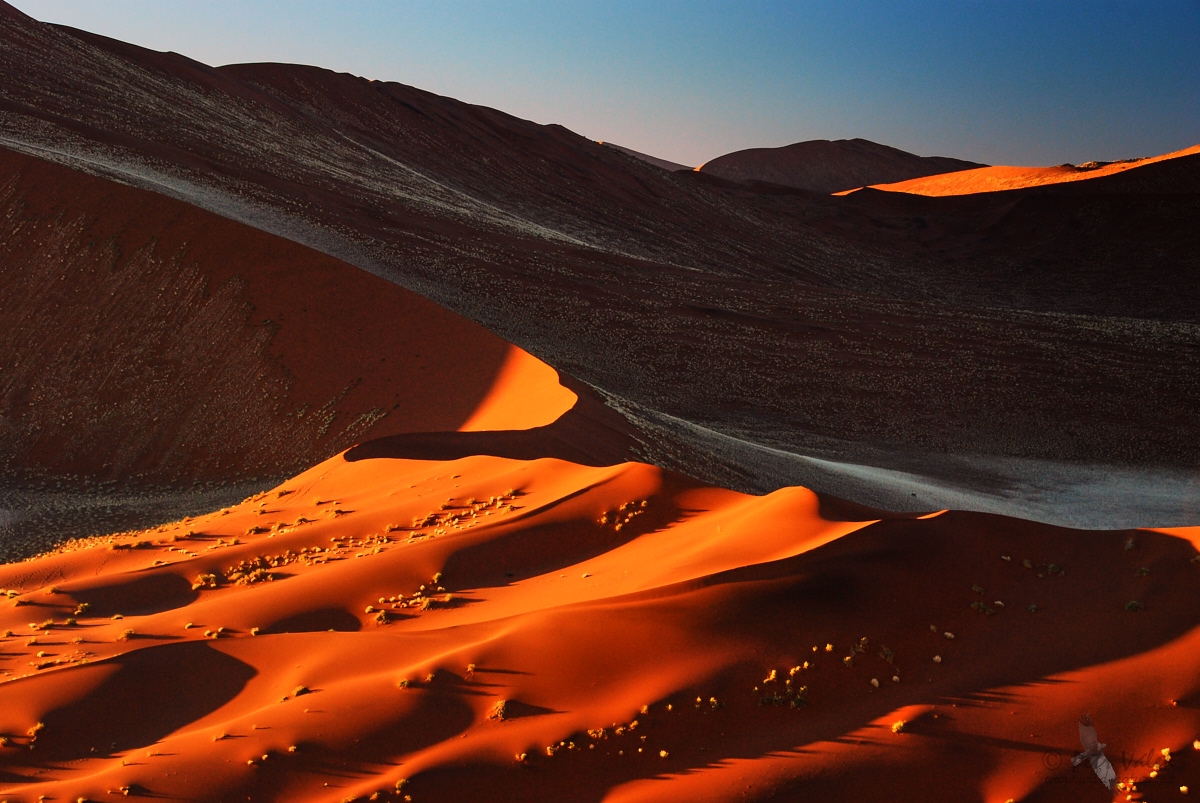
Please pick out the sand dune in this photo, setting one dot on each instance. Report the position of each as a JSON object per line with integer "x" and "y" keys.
{"x": 467, "y": 590}
{"x": 623, "y": 275}
{"x": 665, "y": 164}
{"x": 826, "y": 166}
{"x": 183, "y": 346}
{"x": 497, "y": 629}
{"x": 994, "y": 179}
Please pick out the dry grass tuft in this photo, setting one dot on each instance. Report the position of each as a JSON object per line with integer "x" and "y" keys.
{"x": 204, "y": 581}
{"x": 500, "y": 711}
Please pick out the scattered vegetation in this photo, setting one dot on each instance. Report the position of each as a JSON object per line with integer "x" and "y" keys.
{"x": 623, "y": 515}
{"x": 455, "y": 517}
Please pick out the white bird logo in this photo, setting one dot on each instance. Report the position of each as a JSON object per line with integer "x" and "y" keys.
{"x": 1093, "y": 752}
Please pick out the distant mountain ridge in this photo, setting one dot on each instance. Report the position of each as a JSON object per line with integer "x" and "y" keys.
{"x": 829, "y": 166}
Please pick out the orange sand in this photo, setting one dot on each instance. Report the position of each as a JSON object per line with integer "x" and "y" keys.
{"x": 525, "y": 394}
{"x": 589, "y": 598}
{"x": 993, "y": 179}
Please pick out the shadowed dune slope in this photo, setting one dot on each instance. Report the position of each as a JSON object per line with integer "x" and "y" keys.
{"x": 143, "y": 338}
{"x": 489, "y": 629}
{"x": 1176, "y": 178}
{"x": 992, "y": 324}
{"x": 665, "y": 164}
{"x": 825, "y": 166}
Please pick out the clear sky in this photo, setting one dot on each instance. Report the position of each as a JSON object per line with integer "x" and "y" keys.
{"x": 1002, "y": 82}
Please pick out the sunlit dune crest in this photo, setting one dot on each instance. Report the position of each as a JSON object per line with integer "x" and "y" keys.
{"x": 993, "y": 179}
{"x": 525, "y": 394}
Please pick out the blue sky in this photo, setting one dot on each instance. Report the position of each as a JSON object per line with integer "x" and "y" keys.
{"x": 1002, "y": 82}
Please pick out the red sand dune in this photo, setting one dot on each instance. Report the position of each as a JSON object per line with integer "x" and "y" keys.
{"x": 993, "y": 179}
{"x": 497, "y": 629}
{"x": 645, "y": 283}
{"x": 482, "y": 601}
{"x": 142, "y": 337}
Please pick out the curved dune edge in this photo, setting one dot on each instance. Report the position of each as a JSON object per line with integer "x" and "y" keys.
{"x": 525, "y": 394}
{"x": 584, "y": 598}
{"x": 1189, "y": 533}
{"x": 1001, "y": 177}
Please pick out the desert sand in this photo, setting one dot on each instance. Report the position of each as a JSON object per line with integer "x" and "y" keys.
{"x": 995, "y": 179}
{"x": 522, "y": 388}
{"x": 618, "y": 273}
{"x": 488, "y": 628}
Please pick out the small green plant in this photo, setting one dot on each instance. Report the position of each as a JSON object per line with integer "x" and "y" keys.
{"x": 1034, "y": 609}
{"x": 1133, "y": 606}
{"x": 1142, "y": 571}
